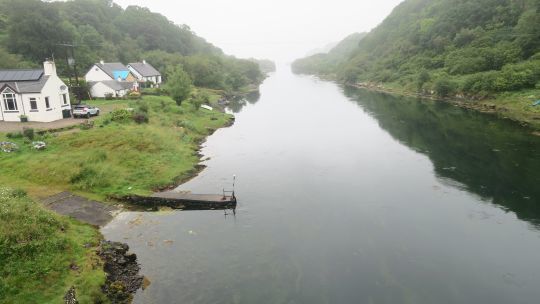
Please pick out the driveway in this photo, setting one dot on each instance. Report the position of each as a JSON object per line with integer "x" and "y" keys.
{"x": 8, "y": 126}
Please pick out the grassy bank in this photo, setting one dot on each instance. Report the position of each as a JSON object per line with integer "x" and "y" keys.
{"x": 43, "y": 254}
{"x": 118, "y": 155}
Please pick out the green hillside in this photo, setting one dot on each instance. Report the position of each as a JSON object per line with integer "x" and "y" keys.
{"x": 326, "y": 63}
{"x": 475, "y": 48}
{"x": 31, "y": 31}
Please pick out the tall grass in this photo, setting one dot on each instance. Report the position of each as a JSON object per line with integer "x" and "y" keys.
{"x": 43, "y": 254}
{"x": 116, "y": 157}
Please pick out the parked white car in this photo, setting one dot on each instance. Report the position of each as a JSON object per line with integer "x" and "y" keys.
{"x": 85, "y": 111}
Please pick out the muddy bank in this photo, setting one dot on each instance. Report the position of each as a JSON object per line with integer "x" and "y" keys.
{"x": 122, "y": 269}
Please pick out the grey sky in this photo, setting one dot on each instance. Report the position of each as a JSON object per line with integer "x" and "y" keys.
{"x": 281, "y": 30}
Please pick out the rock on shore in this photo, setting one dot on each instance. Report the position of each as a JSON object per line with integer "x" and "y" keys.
{"x": 123, "y": 278}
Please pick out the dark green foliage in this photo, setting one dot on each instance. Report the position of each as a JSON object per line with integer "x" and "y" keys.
{"x": 423, "y": 77}
{"x": 480, "y": 46}
{"x": 120, "y": 115}
{"x": 178, "y": 85}
{"x": 28, "y": 133}
{"x": 140, "y": 117}
{"x": 444, "y": 87}
{"x": 14, "y": 135}
{"x": 31, "y": 31}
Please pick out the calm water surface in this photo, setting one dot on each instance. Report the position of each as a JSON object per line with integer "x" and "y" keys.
{"x": 348, "y": 196}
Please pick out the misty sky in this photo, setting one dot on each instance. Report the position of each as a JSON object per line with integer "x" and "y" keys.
{"x": 281, "y": 30}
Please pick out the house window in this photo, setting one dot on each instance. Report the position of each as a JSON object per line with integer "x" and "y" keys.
{"x": 33, "y": 104}
{"x": 10, "y": 101}
{"x": 47, "y": 103}
{"x": 64, "y": 98}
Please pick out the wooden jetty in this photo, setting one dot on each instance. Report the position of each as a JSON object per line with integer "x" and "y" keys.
{"x": 185, "y": 201}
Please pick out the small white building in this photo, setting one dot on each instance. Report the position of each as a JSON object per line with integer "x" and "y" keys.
{"x": 40, "y": 95}
{"x": 113, "y": 88}
{"x": 146, "y": 73}
{"x": 110, "y": 78}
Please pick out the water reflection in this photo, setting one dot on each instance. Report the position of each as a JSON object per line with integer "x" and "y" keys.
{"x": 237, "y": 104}
{"x": 335, "y": 206}
{"x": 494, "y": 159}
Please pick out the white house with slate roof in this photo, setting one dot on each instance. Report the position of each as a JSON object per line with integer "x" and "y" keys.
{"x": 110, "y": 78}
{"x": 145, "y": 72}
{"x": 37, "y": 94}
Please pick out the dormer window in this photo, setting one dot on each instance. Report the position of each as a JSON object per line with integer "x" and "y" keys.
{"x": 10, "y": 100}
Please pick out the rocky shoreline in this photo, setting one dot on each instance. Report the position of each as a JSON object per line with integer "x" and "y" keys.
{"x": 122, "y": 269}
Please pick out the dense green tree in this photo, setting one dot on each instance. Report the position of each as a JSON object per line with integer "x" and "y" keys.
{"x": 178, "y": 84}
{"x": 32, "y": 30}
{"x": 12, "y": 61}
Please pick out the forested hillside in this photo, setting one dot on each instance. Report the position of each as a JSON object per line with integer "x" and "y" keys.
{"x": 470, "y": 47}
{"x": 32, "y": 30}
{"x": 326, "y": 63}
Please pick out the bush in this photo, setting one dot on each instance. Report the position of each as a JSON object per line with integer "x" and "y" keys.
{"x": 120, "y": 115}
{"x": 88, "y": 178}
{"x": 152, "y": 91}
{"x": 109, "y": 96}
{"x": 143, "y": 107}
{"x": 28, "y": 133}
{"x": 140, "y": 117}
{"x": 14, "y": 135}
{"x": 444, "y": 87}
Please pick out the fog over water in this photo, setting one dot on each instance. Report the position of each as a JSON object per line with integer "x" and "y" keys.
{"x": 280, "y": 30}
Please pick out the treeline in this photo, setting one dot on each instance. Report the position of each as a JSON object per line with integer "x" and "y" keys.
{"x": 470, "y": 47}
{"x": 266, "y": 66}
{"x": 32, "y": 30}
{"x": 326, "y": 63}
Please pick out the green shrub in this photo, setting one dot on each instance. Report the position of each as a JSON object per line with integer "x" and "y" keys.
{"x": 109, "y": 96}
{"x": 14, "y": 135}
{"x": 140, "y": 117}
{"x": 444, "y": 87}
{"x": 152, "y": 91}
{"x": 28, "y": 133}
{"x": 143, "y": 107}
{"x": 88, "y": 178}
{"x": 120, "y": 115}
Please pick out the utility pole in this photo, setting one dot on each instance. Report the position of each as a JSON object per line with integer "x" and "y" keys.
{"x": 73, "y": 62}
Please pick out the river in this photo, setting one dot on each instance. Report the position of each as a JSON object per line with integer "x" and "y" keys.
{"x": 351, "y": 196}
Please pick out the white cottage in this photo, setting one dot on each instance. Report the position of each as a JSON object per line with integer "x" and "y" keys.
{"x": 110, "y": 79}
{"x": 145, "y": 72}
{"x": 40, "y": 95}
{"x": 102, "y": 89}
